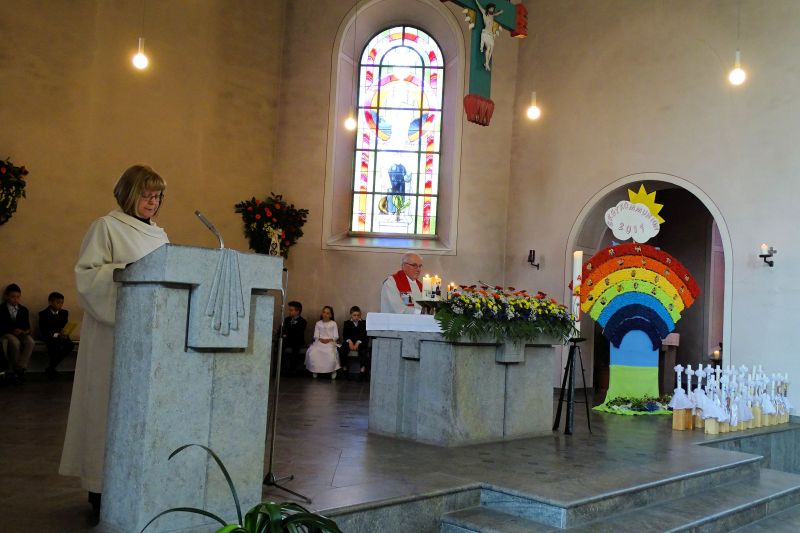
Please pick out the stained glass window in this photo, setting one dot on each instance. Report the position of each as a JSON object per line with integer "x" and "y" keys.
{"x": 398, "y": 140}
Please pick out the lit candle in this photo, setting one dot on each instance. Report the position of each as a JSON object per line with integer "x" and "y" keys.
{"x": 577, "y": 274}
{"x": 764, "y": 249}
{"x": 426, "y": 286}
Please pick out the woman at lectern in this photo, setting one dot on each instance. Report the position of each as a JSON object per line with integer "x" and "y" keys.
{"x": 113, "y": 241}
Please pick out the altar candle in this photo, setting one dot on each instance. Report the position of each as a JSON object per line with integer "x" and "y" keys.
{"x": 426, "y": 286}
{"x": 577, "y": 274}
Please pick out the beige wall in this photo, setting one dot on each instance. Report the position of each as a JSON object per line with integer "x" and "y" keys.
{"x": 630, "y": 86}
{"x": 76, "y": 113}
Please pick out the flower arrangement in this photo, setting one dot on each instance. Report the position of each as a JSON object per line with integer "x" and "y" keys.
{"x": 12, "y": 187}
{"x": 505, "y": 314}
{"x": 635, "y": 406}
{"x": 271, "y": 225}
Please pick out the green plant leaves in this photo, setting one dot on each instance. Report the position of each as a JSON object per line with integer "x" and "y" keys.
{"x": 186, "y": 510}
{"x": 224, "y": 472}
{"x": 266, "y": 517}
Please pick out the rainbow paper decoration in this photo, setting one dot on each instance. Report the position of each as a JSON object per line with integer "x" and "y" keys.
{"x": 636, "y": 293}
{"x": 636, "y": 287}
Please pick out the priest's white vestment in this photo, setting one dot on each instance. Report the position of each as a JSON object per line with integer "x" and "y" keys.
{"x": 112, "y": 242}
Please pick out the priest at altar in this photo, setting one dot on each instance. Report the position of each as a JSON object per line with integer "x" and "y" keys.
{"x": 402, "y": 290}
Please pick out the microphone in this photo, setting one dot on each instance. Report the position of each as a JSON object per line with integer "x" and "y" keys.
{"x": 211, "y": 227}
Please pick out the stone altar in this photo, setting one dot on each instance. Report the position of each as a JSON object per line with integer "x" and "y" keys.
{"x": 429, "y": 390}
{"x": 191, "y": 365}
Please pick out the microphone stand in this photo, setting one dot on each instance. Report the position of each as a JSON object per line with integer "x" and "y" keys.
{"x": 270, "y": 480}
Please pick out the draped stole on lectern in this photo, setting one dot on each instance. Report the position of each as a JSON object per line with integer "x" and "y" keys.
{"x": 225, "y": 301}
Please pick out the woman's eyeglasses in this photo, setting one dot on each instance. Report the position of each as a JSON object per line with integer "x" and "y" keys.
{"x": 147, "y": 197}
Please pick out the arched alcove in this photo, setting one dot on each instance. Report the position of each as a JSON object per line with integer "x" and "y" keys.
{"x": 695, "y": 231}
{"x": 360, "y": 24}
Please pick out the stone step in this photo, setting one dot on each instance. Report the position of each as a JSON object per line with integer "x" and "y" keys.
{"x": 563, "y": 514}
{"x": 787, "y": 521}
{"x": 486, "y": 520}
{"x": 770, "y": 502}
{"x": 722, "y": 508}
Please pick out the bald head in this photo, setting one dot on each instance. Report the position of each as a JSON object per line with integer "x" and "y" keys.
{"x": 411, "y": 264}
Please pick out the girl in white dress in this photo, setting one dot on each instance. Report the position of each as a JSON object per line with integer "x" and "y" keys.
{"x": 321, "y": 356}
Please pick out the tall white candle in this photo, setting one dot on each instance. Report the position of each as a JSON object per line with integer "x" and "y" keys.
{"x": 577, "y": 275}
{"x": 426, "y": 286}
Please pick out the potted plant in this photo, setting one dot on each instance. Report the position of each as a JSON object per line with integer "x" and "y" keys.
{"x": 266, "y": 517}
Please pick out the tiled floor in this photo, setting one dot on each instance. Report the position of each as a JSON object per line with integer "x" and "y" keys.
{"x": 323, "y": 442}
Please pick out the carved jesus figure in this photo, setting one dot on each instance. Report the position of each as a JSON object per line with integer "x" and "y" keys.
{"x": 487, "y": 34}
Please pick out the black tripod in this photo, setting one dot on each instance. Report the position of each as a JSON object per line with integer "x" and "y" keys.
{"x": 270, "y": 480}
{"x": 569, "y": 378}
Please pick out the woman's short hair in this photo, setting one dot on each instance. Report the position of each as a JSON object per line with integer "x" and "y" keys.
{"x": 133, "y": 183}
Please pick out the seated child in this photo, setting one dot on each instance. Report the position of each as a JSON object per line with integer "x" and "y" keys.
{"x": 355, "y": 341}
{"x": 321, "y": 357}
{"x": 15, "y": 330}
{"x": 294, "y": 338}
{"x": 52, "y": 322}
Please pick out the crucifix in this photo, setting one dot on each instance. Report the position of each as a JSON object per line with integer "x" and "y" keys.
{"x": 485, "y": 18}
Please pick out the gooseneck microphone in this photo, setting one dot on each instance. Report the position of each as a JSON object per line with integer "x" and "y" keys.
{"x": 211, "y": 227}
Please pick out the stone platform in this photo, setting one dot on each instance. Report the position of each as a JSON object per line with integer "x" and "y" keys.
{"x": 432, "y": 391}
{"x": 633, "y": 474}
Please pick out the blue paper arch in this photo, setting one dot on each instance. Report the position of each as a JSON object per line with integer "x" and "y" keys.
{"x": 648, "y": 321}
{"x": 633, "y": 298}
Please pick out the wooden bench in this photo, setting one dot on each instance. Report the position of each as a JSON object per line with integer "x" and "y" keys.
{"x": 39, "y": 358}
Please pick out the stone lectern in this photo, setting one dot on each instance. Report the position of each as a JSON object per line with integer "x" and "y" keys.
{"x": 455, "y": 393}
{"x": 192, "y": 353}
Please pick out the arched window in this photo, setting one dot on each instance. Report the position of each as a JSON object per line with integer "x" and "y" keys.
{"x": 398, "y": 141}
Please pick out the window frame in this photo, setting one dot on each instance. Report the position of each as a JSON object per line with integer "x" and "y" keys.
{"x": 442, "y": 24}
{"x": 375, "y": 151}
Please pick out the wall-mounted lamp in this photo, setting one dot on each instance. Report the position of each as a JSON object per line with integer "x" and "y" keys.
{"x": 532, "y": 259}
{"x": 716, "y": 353}
{"x": 766, "y": 254}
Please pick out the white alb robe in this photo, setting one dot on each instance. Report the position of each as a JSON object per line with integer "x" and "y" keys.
{"x": 111, "y": 243}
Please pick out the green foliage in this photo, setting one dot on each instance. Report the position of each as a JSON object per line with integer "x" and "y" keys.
{"x": 266, "y": 517}
{"x": 12, "y": 188}
{"x": 273, "y": 214}
{"x": 503, "y": 314}
{"x": 644, "y": 404}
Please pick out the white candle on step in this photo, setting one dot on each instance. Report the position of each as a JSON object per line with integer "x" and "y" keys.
{"x": 577, "y": 279}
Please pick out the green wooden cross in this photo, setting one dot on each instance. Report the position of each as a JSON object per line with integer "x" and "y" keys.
{"x": 514, "y": 18}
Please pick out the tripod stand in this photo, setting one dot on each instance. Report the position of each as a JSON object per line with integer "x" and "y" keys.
{"x": 270, "y": 479}
{"x": 569, "y": 378}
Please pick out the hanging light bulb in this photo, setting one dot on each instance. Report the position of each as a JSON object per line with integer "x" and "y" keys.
{"x": 140, "y": 60}
{"x": 350, "y": 122}
{"x": 533, "y": 111}
{"x": 737, "y": 75}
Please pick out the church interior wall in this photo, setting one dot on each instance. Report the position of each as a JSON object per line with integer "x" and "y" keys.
{"x": 76, "y": 113}
{"x": 342, "y": 278}
{"x": 629, "y": 87}
{"x": 236, "y": 104}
